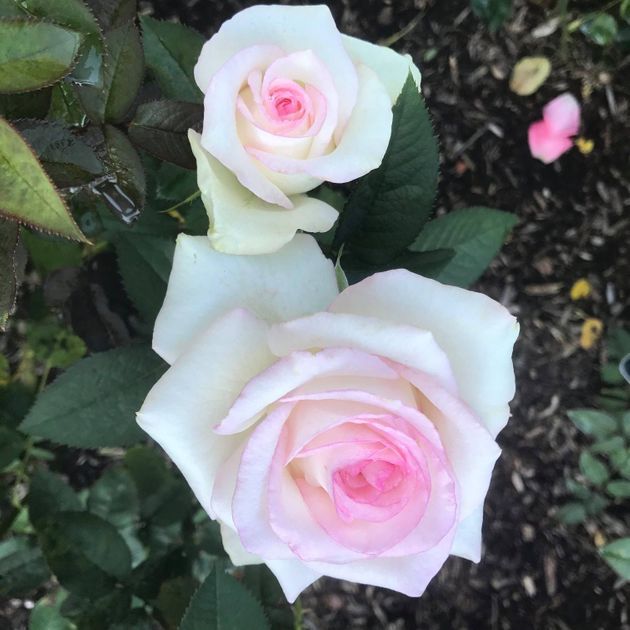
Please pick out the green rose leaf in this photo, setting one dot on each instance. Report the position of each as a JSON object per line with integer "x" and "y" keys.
{"x": 22, "y": 567}
{"x": 114, "y": 13}
{"x": 125, "y": 166}
{"x": 35, "y": 54}
{"x": 161, "y": 129}
{"x": 171, "y": 52}
{"x": 26, "y": 193}
{"x": 76, "y": 16}
{"x": 86, "y": 553}
{"x": 122, "y": 77}
{"x": 593, "y": 469}
{"x": 145, "y": 265}
{"x": 222, "y": 603}
{"x": 572, "y": 513}
{"x": 46, "y": 617}
{"x": 11, "y": 445}
{"x": 67, "y": 158}
{"x": 475, "y": 235}
{"x": 492, "y": 12}
{"x": 601, "y": 28}
{"x": 29, "y": 105}
{"x": 390, "y": 205}
{"x": 619, "y": 489}
{"x": 49, "y": 494}
{"x": 114, "y": 498}
{"x": 592, "y": 422}
{"x": 93, "y": 404}
{"x": 9, "y": 235}
{"x": 617, "y": 555}
{"x": 50, "y": 253}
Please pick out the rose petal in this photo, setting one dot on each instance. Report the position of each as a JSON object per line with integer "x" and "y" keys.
{"x": 239, "y": 556}
{"x": 205, "y": 284}
{"x": 562, "y": 115}
{"x": 476, "y": 333}
{"x": 361, "y": 146}
{"x": 292, "y": 29}
{"x": 467, "y": 541}
{"x": 240, "y": 222}
{"x": 220, "y": 134}
{"x": 391, "y": 67}
{"x": 181, "y": 409}
{"x": 458, "y": 428}
{"x": 293, "y": 575}
{"x": 298, "y": 369}
{"x": 408, "y": 345}
{"x": 545, "y": 145}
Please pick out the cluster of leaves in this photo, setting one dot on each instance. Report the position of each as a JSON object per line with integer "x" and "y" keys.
{"x": 606, "y": 27}
{"x": 384, "y": 222}
{"x": 603, "y": 482}
{"x": 131, "y": 550}
{"x": 83, "y": 87}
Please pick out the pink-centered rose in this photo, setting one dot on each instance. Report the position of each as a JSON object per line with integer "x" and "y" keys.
{"x": 552, "y": 136}
{"x": 344, "y": 434}
{"x": 289, "y": 103}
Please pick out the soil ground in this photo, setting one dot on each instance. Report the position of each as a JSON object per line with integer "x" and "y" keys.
{"x": 575, "y": 222}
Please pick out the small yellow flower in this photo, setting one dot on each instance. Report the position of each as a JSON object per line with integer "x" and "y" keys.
{"x": 585, "y": 145}
{"x": 581, "y": 289}
{"x": 591, "y": 332}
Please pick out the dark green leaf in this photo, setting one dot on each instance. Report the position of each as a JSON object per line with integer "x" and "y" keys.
{"x": 593, "y": 422}
{"x": 11, "y": 445}
{"x": 26, "y": 193}
{"x": 74, "y": 15}
{"x": 161, "y": 129}
{"x": 609, "y": 445}
{"x": 49, "y": 253}
{"x": 617, "y": 555}
{"x": 164, "y": 498}
{"x": 593, "y": 469}
{"x": 22, "y": 567}
{"x": 126, "y": 166}
{"x": 86, "y": 553}
{"x": 113, "y": 13}
{"x": 49, "y": 494}
{"x": 67, "y": 158}
{"x": 147, "y": 578}
{"x": 619, "y": 489}
{"x": 173, "y": 599}
{"x": 572, "y": 513}
{"x": 262, "y": 583}
{"x": 65, "y": 105}
{"x": 492, "y": 12}
{"x": 34, "y": 55}
{"x": 390, "y": 205}
{"x": 171, "y": 52}
{"x": 114, "y": 498}
{"x": 122, "y": 77}
{"x": 145, "y": 265}
{"x": 596, "y": 504}
{"x": 221, "y": 603}
{"x": 624, "y": 10}
{"x": 46, "y": 617}
{"x": 474, "y": 234}
{"x": 99, "y": 613}
{"x": 94, "y": 403}
{"x": 30, "y": 105}
{"x": 578, "y": 490}
{"x": 600, "y": 28}
{"x": 15, "y": 401}
{"x": 9, "y": 235}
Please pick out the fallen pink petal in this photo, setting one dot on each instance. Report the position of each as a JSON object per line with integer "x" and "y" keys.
{"x": 551, "y": 137}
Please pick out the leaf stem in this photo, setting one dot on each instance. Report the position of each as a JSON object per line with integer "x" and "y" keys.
{"x": 188, "y": 199}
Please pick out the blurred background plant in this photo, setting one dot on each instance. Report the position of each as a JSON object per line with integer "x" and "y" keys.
{"x": 601, "y": 486}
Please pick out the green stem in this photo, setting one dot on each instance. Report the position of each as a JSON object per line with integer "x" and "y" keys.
{"x": 188, "y": 199}
{"x": 298, "y": 614}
